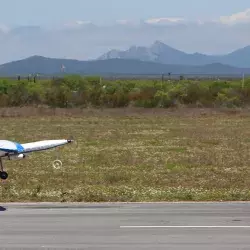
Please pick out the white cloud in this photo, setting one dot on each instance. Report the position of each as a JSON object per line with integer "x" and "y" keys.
{"x": 240, "y": 17}
{"x": 164, "y": 20}
{"x": 82, "y": 22}
{"x": 77, "y": 23}
{"x": 123, "y": 22}
{"x": 4, "y": 28}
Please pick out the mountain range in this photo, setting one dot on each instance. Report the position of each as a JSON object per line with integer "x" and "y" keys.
{"x": 107, "y": 67}
{"x": 159, "y": 52}
{"x": 88, "y": 39}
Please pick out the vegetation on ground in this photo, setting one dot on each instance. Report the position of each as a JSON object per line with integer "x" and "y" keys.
{"x": 82, "y": 92}
{"x": 130, "y": 156}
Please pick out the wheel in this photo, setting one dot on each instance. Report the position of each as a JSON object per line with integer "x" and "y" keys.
{"x": 3, "y": 175}
{"x": 57, "y": 164}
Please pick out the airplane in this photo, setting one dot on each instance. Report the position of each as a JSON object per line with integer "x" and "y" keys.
{"x": 14, "y": 150}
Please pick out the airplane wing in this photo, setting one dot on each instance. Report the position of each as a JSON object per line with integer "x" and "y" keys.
{"x": 42, "y": 145}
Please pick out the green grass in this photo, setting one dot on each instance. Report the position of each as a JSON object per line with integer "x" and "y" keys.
{"x": 130, "y": 156}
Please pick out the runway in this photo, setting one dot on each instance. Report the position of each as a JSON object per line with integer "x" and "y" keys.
{"x": 121, "y": 226}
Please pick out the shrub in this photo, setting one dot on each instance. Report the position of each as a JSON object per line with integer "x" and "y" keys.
{"x": 77, "y": 91}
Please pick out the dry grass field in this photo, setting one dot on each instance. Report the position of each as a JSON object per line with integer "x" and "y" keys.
{"x": 130, "y": 155}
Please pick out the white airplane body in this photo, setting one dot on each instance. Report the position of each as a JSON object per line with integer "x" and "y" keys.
{"x": 13, "y": 150}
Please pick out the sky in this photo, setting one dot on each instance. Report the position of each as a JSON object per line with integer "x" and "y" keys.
{"x": 63, "y": 33}
{"x": 48, "y": 12}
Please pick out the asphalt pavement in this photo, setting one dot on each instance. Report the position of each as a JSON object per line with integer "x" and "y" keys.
{"x": 120, "y": 226}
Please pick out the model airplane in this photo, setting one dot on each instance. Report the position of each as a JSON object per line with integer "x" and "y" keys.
{"x": 13, "y": 150}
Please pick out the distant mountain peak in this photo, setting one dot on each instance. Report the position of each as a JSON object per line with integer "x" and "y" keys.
{"x": 159, "y": 43}
{"x": 161, "y": 47}
{"x": 163, "y": 53}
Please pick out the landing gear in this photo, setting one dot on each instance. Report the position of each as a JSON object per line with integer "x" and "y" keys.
{"x": 3, "y": 174}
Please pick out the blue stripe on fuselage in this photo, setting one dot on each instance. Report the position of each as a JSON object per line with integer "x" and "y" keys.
{"x": 8, "y": 150}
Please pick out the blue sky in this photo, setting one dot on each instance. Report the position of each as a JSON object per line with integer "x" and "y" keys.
{"x": 45, "y": 12}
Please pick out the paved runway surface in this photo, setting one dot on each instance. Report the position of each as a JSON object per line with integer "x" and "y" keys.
{"x": 152, "y": 226}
